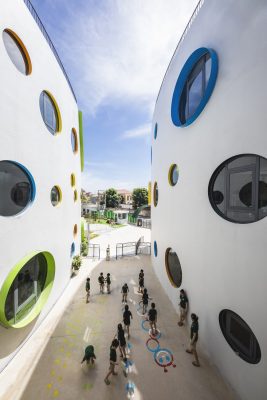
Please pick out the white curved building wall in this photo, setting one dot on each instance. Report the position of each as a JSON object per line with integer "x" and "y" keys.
{"x": 25, "y": 139}
{"x": 223, "y": 263}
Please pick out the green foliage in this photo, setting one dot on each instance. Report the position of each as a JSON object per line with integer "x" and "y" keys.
{"x": 76, "y": 262}
{"x": 140, "y": 197}
{"x": 112, "y": 198}
{"x": 84, "y": 247}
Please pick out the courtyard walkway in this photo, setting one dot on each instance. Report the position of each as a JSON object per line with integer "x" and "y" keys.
{"x": 59, "y": 374}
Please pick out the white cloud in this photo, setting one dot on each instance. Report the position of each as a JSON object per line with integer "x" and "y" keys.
{"x": 139, "y": 132}
{"x": 91, "y": 181}
{"x": 119, "y": 50}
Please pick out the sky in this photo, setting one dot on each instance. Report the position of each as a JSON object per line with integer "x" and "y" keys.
{"x": 115, "y": 53}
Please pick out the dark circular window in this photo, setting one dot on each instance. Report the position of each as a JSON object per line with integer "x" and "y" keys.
{"x": 50, "y": 112}
{"x": 72, "y": 249}
{"x": 238, "y": 189}
{"x": 56, "y": 195}
{"x": 17, "y": 188}
{"x": 155, "y": 131}
{"x": 173, "y": 174}
{"x": 239, "y": 336}
{"x": 26, "y": 289}
{"x": 173, "y": 267}
{"x": 74, "y": 140}
{"x": 194, "y": 86}
{"x": 155, "y": 248}
{"x": 155, "y": 194}
{"x": 17, "y": 52}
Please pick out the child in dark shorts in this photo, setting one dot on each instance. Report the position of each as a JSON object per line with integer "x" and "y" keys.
{"x": 141, "y": 279}
{"x": 108, "y": 282}
{"x": 89, "y": 355}
{"x": 124, "y": 291}
{"x": 127, "y": 316}
{"x": 101, "y": 282}
{"x": 122, "y": 341}
{"x": 112, "y": 360}
{"x": 87, "y": 288}
{"x": 152, "y": 316}
{"x": 145, "y": 299}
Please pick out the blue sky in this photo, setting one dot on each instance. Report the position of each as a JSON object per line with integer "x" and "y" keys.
{"x": 115, "y": 53}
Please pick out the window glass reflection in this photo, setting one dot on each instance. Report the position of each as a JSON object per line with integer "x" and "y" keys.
{"x": 15, "y": 52}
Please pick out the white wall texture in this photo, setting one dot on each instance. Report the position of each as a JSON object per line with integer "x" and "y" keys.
{"x": 24, "y": 138}
{"x": 223, "y": 263}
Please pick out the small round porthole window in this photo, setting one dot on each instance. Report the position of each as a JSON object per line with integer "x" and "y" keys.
{"x": 17, "y": 52}
{"x": 50, "y": 112}
{"x": 26, "y": 289}
{"x": 173, "y": 267}
{"x": 194, "y": 86}
{"x": 17, "y": 188}
{"x": 155, "y": 131}
{"x": 56, "y": 195}
{"x": 75, "y": 230}
{"x": 72, "y": 180}
{"x": 72, "y": 249}
{"x": 238, "y": 189}
{"x": 173, "y": 175}
{"x": 75, "y": 195}
{"x": 74, "y": 140}
{"x": 155, "y": 248}
{"x": 155, "y": 194}
{"x": 239, "y": 336}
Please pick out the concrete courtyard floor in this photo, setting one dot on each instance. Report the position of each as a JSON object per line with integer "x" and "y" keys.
{"x": 59, "y": 373}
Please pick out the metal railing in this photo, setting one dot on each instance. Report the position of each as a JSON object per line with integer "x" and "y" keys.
{"x": 188, "y": 26}
{"x": 133, "y": 248}
{"x": 94, "y": 251}
{"x": 49, "y": 41}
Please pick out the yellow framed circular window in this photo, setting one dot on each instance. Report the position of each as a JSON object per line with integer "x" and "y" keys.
{"x": 155, "y": 194}
{"x": 56, "y": 195}
{"x": 50, "y": 112}
{"x": 17, "y": 52}
{"x": 72, "y": 180}
{"x": 75, "y": 230}
{"x": 74, "y": 141}
{"x": 173, "y": 267}
{"x": 173, "y": 175}
{"x": 75, "y": 195}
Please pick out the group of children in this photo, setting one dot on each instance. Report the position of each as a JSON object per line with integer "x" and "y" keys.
{"x": 102, "y": 281}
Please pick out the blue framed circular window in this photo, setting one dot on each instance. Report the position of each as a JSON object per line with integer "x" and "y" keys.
{"x": 194, "y": 86}
{"x": 72, "y": 249}
{"x": 156, "y": 131}
{"x": 155, "y": 248}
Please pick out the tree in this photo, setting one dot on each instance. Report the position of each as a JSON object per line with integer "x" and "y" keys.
{"x": 84, "y": 196}
{"x": 112, "y": 198}
{"x": 140, "y": 197}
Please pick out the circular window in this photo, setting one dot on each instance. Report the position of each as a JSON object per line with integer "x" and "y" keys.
{"x": 50, "y": 112}
{"x": 72, "y": 180}
{"x": 155, "y": 248}
{"x": 173, "y": 175}
{"x": 26, "y": 289}
{"x": 17, "y": 52}
{"x": 155, "y": 194}
{"x": 72, "y": 249}
{"x": 194, "y": 86}
{"x": 56, "y": 195}
{"x": 75, "y": 195}
{"x": 151, "y": 155}
{"x": 155, "y": 131}
{"x": 74, "y": 140}
{"x": 17, "y": 188}
{"x": 238, "y": 189}
{"x": 75, "y": 230}
{"x": 173, "y": 267}
{"x": 239, "y": 336}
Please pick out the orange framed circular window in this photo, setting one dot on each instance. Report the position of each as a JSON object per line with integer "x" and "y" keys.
{"x": 17, "y": 51}
{"x": 74, "y": 141}
{"x": 173, "y": 267}
{"x": 75, "y": 230}
{"x": 72, "y": 180}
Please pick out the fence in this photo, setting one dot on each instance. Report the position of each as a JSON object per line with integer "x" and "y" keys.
{"x": 133, "y": 248}
{"x": 94, "y": 251}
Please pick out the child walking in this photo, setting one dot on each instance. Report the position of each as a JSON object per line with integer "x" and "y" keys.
{"x": 124, "y": 291}
{"x": 108, "y": 282}
{"x": 145, "y": 298}
{"x": 122, "y": 341}
{"x": 112, "y": 360}
{"x": 89, "y": 355}
{"x": 87, "y": 288}
{"x": 141, "y": 281}
{"x": 101, "y": 281}
{"x": 127, "y": 316}
{"x": 152, "y": 316}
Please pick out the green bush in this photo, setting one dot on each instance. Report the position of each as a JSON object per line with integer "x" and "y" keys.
{"x": 84, "y": 247}
{"x": 76, "y": 262}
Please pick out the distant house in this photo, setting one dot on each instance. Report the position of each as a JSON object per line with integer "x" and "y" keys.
{"x": 127, "y": 197}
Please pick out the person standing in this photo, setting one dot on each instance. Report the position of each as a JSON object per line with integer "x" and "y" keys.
{"x": 122, "y": 341}
{"x": 101, "y": 282}
{"x": 145, "y": 298}
{"x": 108, "y": 282}
{"x": 124, "y": 291}
{"x": 194, "y": 339}
{"x": 183, "y": 307}
{"x": 152, "y": 316}
{"x": 141, "y": 279}
{"x": 127, "y": 316}
{"x": 87, "y": 289}
{"x": 112, "y": 360}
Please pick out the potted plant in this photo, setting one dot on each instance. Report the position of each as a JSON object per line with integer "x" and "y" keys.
{"x": 76, "y": 264}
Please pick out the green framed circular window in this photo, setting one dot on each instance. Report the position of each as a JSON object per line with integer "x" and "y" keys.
{"x": 75, "y": 195}
{"x": 173, "y": 175}
{"x": 26, "y": 289}
{"x": 72, "y": 180}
